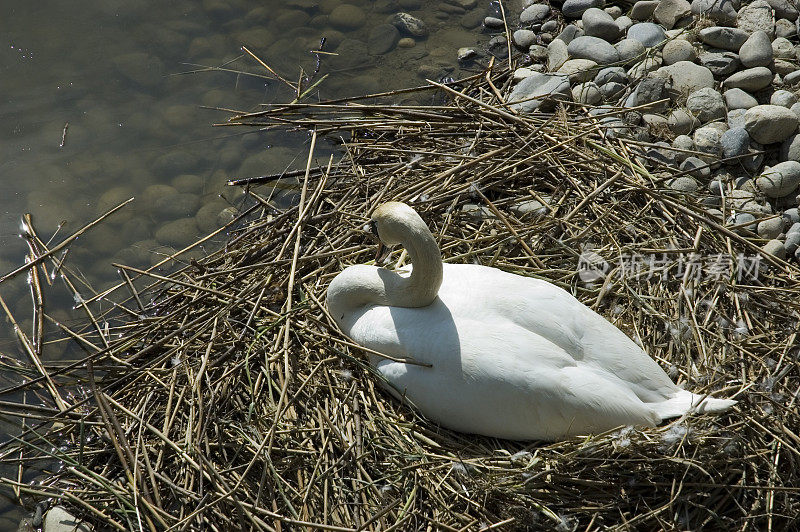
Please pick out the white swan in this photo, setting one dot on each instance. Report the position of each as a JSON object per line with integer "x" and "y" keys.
{"x": 510, "y": 356}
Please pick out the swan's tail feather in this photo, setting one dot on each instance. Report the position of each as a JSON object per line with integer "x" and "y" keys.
{"x": 685, "y": 401}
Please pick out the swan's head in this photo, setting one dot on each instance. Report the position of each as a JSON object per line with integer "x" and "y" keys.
{"x": 393, "y": 221}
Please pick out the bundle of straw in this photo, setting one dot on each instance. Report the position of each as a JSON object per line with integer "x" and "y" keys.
{"x": 234, "y": 402}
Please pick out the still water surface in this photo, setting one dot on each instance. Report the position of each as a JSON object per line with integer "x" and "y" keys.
{"x": 97, "y": 105}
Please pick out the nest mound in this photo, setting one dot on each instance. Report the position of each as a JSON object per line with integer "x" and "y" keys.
{"x": 234, "y": 402}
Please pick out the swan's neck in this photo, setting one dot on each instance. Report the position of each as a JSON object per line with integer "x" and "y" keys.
{"x": 420, "y": 288}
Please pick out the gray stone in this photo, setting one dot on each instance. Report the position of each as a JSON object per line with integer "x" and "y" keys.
{"x": 529, "y": 206}
{"x": 678, "y": 50}
{"x": 466, "y": 53}
{"x": 524, "y": 38}
{"x": 745, "y": 222}
{"x": 686, "y": 77}
{"x": 720, "y": 64}
{"x": 785, "y": 28}
{"x": 587, "y": 93}
{"x": 575, "y": 8}
{"x": 756, "y": 16}
{"x": 494, "y": 23}
{"x": 594, "y": 48}
{"x": 739, "y": 99}
{"x": 735, "y": 142}
{"x": 58, "y": 519}
{"x": 534, "y": 13}
{"x": 708, "y": 140}
{"x": 647, "y": 33}
{"x": 792, "y": 217}
{"x": 723, "y": 37}
{"x": 382, "y": 39}
{"x": 790, "y": 149}
{"x": 614, "y": 11}
{"x": 569, "y": 33}
{"x": 608, "y": 74}
{"x": 177, "y": 233}
{"x": 696, "y": 167}
{"x": 706, "y": 104}
{"x": 756, "y": 50}
{"x": 796, "y": 110}
{"x": 649, "y": 90}
{"x": 612, "y": 90}
{"x": 550, "y": 26}
{"x": 538, "y": 85}
{"x": 792, "y": 79}
{"x": 579, "y": 70}
{"x": 629, "y": 50}
{"x": 716, "y": 187}
{"x": 408, "y": 24}
{"x": 624, "y": 23}
{"x": 684, "y": 184}
{"x": 668, "y": 12}
{"x": 784, "y": 9}
{"x": 780, "y": 180}
{"x": 792, "y": 242}
{"x": 721, "y": 11}
{"x": 782, "y": 48}
{"x": 644, "y": 67}
{"x": 736, "y": 118}
{"x": 783, "y": 98}
{"x": 771, "y": 227}
{"x": 643, "y": 9}
{"x": 557, "y": 54}
{"x": 598, "y": 23}
{"x": 782, "y": 67}
{"x": 682, "y": 142}
{"x": 768, "y": 124}
{"x": 775, "y": 248}
{"x": 656, "y": 124}
{"x": 538, "y": 53}
{"x": 751, "y": 80}
{"x": 682, "y": 122}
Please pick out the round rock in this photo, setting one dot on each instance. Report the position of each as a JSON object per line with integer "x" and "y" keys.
{"x": 739, "y": 99}
{"x": 643, "y": 9}
{"x": 780, "y": 180}
{"x": 708, "y": 140}
{"x": 382, "y": 39}
{"x": 409, "y": 24}
{"x": 684, "y": 184}
{"x": 768, "y": 124}
{"x": 524, "y": 38}
{"x": 647, "y": 33}
{"x": 775, "y": 248}
{"x": 534, "y": 13}
{"x": 720, "y": 64}
{"x": 756, "y": 50}
{"x": 539, "y": 85}
{"x": 594, "y": 48}
{"x": 687, "y": 77}
{"x": 735, "y": 142}
{"x": 678, "y": 50}
{"x": 783, "y": 98}
{"x": 752, "y": 80}
{"x": 668, "y": 12}
{"x": 783, "y": 48}
{"x": 576, "y": 8}
{"x": 771, "y": 227}
{"x": 696, "y": 167}
{"x": 723, "y": 37}
{"x": 721, "y": 12}
{"x": 706, "y": 104}
{"x": 682, "y": 122}
{"x": 598, "y": 23}
{"x": 790, "y": 149}
{"x": 629, "y": 50}
{"x": 347, "y": 17}
{"x": 588, "y": 93}
{"x": 579, "y": 70}
{"x": 756, "y": 16}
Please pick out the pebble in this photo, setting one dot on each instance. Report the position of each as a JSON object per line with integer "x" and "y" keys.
{"x": 678, "y": 50}
{"x": 557, "y": 54}
{"x": 775, "y": 248}
{"x": 783, "y": 98}
{"x": 687, "y": 77}
{"x": 538, "y": 53}
{"x": 768, "y": 124}
{"x": 681, "y": 121}
{"x": 756, "y": 50}
{"x": 612, "y": 90}
{"x": 723, "y": 37}
{"x": 382, "y": 39}
{"x": 645, "y": 66}
{"x": 629, "y": 50}
{"x": 735, "y": 142}
{"x": 696, "y": 167}
{"x": 579, "y": 70}
{"x": 539, "y": 85}
{"x": 609, "y": 74}
{"x": 647, "y": 33}
{"x": 736, "y": 117}
{"x": 745, "y": 222}
{"x": 58, "y": 519}
{"x": 752, "y": 80}
{"x": 534, "y": 13}
{"x": 790, "y": 148}
{"x": 494, "y": 23}
{"x": 347, "y": 17}
{"x": 780, "y": 180}
{"x": 683, "y": 142}
{"x": 721, "y": 12}
{"x": 598, "y": 23}
{"x": 739, "y": 99}
{"x": 594, "y": 48}
{"x": 684, "y": 184}
{"x": 785, "y": 28}
{"x": 668, "y": 12}
{"x": 408, "y": 24}
{"x": 465, "y": 53}
{"x": 783, "y": 48}
{"x": 624, "y": 23}
{"x": 706, "y": 104}
{"x": 708, "y": 140}
{"x": 793, "y": 78}
{"x": 569, "y": 33}
{"x": 643, "y": 9}
{"x": 588, "y": 93}
{"x": 720, "y": 64}
{"x": 550, "y": 26}
{"x": 648, "y": 91}
{"x": 770, "y": 228}
{"x": 784, "y": 9}
{"x": 524, "y": 38}
{"x": 576, "y": 8}
{"x": 756, "y": 16}
{"x": 792, "y": 242}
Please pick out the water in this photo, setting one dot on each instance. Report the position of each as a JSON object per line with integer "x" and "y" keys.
{"x": 97, "y": 107}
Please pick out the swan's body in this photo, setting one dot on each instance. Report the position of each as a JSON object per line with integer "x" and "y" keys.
{"x": 511, "y": 356}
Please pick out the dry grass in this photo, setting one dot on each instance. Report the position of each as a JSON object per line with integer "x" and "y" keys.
{"x": 234, "y": 402}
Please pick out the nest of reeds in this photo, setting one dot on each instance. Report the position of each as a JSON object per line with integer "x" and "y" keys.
{"x": 224, "y": 397}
